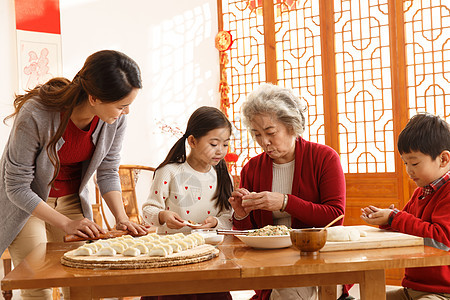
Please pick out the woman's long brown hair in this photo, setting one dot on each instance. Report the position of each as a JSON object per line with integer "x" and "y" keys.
{"x": 107, "y": 75}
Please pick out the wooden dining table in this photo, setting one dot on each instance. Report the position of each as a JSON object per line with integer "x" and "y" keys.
{"x": 238, "y": 267}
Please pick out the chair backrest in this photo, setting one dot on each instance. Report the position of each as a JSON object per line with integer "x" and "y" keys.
{"x": 129, "y": 175}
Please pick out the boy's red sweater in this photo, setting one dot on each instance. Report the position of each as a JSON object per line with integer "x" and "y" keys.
{"x": 428, "y": 218}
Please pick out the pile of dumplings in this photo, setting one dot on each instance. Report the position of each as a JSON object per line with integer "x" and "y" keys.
{"x": 149, "y": 245}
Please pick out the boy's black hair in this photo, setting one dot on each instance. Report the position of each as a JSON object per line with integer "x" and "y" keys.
{"x": 425, "y": 133}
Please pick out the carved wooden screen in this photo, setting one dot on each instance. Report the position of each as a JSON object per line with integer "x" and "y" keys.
{"x": 427, "y": 39}
{"x": 362, "y": 67}
{"x": 246, "y": 69}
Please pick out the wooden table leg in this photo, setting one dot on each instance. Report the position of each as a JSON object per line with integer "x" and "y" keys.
{"x": 374, "y": 285}
{"x": 328, "y": 292}
{"x": 80, "y": 293}
{"x": 6, "y": 258}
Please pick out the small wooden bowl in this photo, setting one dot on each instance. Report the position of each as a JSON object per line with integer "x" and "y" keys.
{"x": 308, "y": 240}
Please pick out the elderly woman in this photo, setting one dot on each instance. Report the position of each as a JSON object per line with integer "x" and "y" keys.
{"x": 295, "y": 182}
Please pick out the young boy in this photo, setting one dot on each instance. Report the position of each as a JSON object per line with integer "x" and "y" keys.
{"x": 424, "y": 145}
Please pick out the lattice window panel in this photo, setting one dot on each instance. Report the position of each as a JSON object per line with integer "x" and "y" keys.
{"x": 246, "y": 70}
{"x": 427, "y": 38}
{"x": 363, "y": 70}
{"x": 299, "y": 60}
{"x": 364, "y": 86}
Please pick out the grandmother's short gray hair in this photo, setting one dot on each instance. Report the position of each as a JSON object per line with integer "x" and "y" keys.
{"x": 277, "y": 101}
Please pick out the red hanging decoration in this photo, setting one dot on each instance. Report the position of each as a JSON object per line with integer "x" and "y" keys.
{"x": 223, "y": 42}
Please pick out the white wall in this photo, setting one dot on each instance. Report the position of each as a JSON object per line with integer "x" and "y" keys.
{"x": 173, "y": 43}
{"x": 8, "y": 71}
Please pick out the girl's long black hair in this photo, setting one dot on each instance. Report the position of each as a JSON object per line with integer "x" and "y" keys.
{"x": 202, "y": 121}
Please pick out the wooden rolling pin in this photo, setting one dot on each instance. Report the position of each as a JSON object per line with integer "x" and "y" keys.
{"x": 107, "y": 235}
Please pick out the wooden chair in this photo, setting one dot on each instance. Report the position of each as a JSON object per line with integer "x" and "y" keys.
{"x": 129, "y": 175}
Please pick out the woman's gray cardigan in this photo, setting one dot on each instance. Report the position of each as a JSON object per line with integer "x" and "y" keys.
{"x": 26, "y": 170}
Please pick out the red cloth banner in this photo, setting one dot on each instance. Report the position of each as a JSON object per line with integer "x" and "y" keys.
{"x": 38, "y": 16}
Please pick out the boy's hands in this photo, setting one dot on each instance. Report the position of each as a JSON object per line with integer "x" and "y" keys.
{"x": 376, "y": 216}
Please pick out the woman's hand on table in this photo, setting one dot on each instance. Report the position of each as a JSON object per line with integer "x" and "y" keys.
{"x": 171, "y": 219}
{"x": 264, "y": 200}
{"x": 134, "y": 228}
{"x": 236, "y": 202}
{"x": 84, "y": 228}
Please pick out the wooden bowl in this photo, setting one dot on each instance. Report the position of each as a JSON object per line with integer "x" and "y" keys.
{"x": 308, "y": 240}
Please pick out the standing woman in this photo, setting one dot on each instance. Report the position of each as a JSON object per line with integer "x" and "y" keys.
{"x": 63, "y": 132}
{"x": 294, "y": 182}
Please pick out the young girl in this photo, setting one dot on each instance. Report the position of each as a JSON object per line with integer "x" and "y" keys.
{"x": 63, "y": 132}
{"x": 193, "y": 189}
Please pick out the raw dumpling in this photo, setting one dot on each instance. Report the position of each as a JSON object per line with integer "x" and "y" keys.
{"x": 179, "y": 235}
{"x": 119, "y": 247}
{"x": 107, "y": 251}
{"x": 190, "y": 242}
{"x": 132, "y": 251}
{"x": 104, "y": 243}
{"x": 149, "y": 245}
{"x": 183, "y": 244}
{"x": 157, "y": 251}
{"x": 130, "y": 242}
{"x": 197, "y": 236}
{"x": 176, "y": 247}
{"x": 146, "y": 239}
{"x": 168, "y": 248}
{"x": 141, "y": 247}
{"x": 92, "y": 246}
{"x": 83, "y": 251}
{"x": 164, "y": 240}
{"x": 155, "y": 236}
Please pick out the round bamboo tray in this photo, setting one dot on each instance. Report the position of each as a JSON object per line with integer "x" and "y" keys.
{"x": 195, "y": 255}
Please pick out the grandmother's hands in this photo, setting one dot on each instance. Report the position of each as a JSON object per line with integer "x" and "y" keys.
{"x": 243, "y": 202}
{"x": 264, "y": 200}
{"x": 236, "y": 202}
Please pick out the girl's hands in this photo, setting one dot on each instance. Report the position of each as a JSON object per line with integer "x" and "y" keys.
{"x": 264, "y": 200}
{"x": 84, "y": 228}
{"x": 209, "y": 222}
{"x": 172, "y": 219}
{"x": 236, "y": 202}
{"x": 376, "y": 216}
{"x": 134, "y": 228}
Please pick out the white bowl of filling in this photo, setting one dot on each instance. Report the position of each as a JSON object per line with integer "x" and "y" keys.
{"x": 268, "y": 237}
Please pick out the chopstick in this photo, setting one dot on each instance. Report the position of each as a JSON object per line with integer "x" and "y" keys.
{"x": 232, "y": 232}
